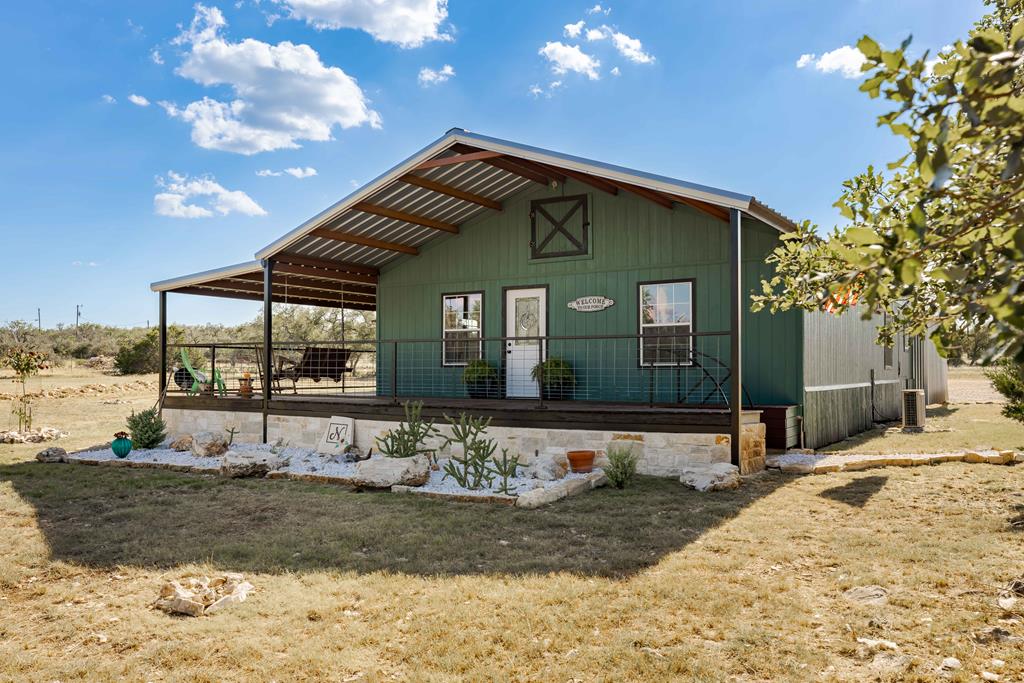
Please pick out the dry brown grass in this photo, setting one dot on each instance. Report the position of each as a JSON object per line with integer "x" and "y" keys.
{"x": 971, "y": 426}
{"x": 652, "y": 583}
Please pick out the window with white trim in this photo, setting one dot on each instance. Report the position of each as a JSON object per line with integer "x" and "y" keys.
{"x": 666, "y": 323}
{"x": 462, "y": 316}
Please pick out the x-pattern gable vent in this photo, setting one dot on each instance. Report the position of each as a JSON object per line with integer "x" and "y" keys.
{"x": 559, "y": 226}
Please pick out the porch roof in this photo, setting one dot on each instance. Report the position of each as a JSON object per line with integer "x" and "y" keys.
{"x": 462, "y": 175}
{"x": 298, "y": 281}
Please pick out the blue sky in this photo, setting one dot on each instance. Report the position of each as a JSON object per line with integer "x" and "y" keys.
{"x": 103, "y": 194}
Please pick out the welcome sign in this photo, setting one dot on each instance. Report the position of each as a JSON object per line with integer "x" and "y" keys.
{"x": 591, "y": 304}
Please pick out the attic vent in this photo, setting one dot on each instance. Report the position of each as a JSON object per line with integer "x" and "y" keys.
{"x": 913, "y": 409}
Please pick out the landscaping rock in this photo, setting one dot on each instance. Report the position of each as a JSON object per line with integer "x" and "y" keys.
{"x": 548, "y": 466}
{"x": 380, "y": 472}
{"x": 950, "y": 664}
{"x": 208, "y": 445}
{"x": 52, "y": 454}
{"x": 989, "y": 456}
{"x": 38, "y": 435}
{"x": 182, "y": 443}
{"x": 711, "y": 477}
{"x": 198, "y": 595}
{"x": 867, "y": 595}
{"x": 237, "y": 464}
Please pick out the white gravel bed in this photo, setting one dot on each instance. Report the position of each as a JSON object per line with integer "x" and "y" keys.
{"x": 517, "y": 485}
{"x": 148, "y": 456}
{"x": 310, "y": 462}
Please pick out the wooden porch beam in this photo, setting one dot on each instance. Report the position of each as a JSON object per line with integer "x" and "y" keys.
{"x": 323, "y": 274}
{"x": 719, "y": 212}
{"x": 294, "y": 284}
{"x": 280, "y": 292}
{"x": 327, "y": 264}
{"x": 505, "y": 164}
{"x": 246, "y": 296}
{"x": 433, "y": 185}
{"x": 650, "y": 195}
{"x": 326, "y": 234}
{"x": 457, "y": 159}
{"x": 366, "y": 207}
{"x": 586, "y": 178}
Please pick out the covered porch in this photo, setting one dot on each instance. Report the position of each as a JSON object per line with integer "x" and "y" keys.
{"x": 600, "y": 381}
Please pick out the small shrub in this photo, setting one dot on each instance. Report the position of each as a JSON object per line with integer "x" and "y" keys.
{"x": 621, "y": 466}
{"x": 147, "y": 429}
{"x": 1008, "y": 379}
{"x": 139, "y": 356}
{"x": 409, "y": 438}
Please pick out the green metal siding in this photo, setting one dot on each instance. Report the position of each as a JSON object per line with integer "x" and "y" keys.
{"x": 632, "y": 241}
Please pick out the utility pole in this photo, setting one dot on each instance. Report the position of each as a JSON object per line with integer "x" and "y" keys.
{"x": 39, "y": 318}
{"x": 78, "y": 315}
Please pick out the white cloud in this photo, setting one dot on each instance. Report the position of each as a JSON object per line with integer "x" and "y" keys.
{"x": 407, "y": 23}
{"x": 597, "y": 9}
{"x": 630, "y": 48}
{"x": 430, "y": 76}
{"x": 615, "y": 71}
{"x": 283, "y": 93}
{"x": 565, "y": 58}
{"x": 536, "y": 90}
{"x": 296, "y": 171}
{"x": 596, "y": 34}
{"x": 178, "y": 190}
{"x": 89, "y": 264}
{"x": 138, "y": 100}
{"x": 573, "y": 30}
{"x": 155, "y": 55}
{"x": 846, "y": 60}
{"x": 109, "y": 99}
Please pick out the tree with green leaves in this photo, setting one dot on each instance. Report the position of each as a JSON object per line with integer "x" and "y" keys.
{"x": 936, "y": 241}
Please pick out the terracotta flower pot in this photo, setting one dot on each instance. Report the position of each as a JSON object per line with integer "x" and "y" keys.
{"x": 581, "y": 462}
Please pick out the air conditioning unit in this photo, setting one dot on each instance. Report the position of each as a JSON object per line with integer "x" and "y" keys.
{"x": 913, "y": 409}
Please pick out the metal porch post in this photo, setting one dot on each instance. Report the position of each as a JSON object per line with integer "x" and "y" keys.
{"x": 735, "y": 359}
{"x": 268, "y": 340}
{"x": 163, "y": 347}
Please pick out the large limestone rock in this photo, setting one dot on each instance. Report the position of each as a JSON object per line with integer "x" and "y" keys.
{"x": 237, "y": 464}
{"x": 198, "y": 595}
{"x": 380, "y": 472}
{"x": 548, "y": 466}
{"x": 208, "y": 445}
{"x": 981, "y": 455}
{"x": 182, "y": 443}
{"x": 711, "y": 477}
{"x": 52, "y": 454}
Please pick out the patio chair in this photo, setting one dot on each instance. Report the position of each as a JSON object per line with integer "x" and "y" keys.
{"x": 317, "y": 363}
{"x": 186, "y": 372}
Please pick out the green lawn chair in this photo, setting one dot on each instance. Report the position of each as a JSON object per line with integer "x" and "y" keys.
{"x": 198, "y": 379}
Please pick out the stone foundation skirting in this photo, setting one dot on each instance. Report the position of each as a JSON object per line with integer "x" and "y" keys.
{"x": 659, "y": 454}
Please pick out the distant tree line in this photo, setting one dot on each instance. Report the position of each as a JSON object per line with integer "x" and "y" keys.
{"x": 136, "y": 349}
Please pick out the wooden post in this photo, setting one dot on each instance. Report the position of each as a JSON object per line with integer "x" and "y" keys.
{"x": 163, "y": 346}
{"x": 268, "y": 340}
{"x": 736, "y": 315}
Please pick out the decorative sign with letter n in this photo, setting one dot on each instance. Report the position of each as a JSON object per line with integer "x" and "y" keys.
{"x": 338, "y": 436}
{"x": 559, "y": 226}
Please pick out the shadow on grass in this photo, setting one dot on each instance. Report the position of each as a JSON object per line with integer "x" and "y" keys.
{"x": 856, "y": 493}
{"x": 104, "y": 517}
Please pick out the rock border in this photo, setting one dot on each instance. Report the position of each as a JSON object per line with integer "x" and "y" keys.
{"x": 826, "y": 463}
{"x": 528, "y": 500}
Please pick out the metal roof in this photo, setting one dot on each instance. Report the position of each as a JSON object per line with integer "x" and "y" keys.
{"x": 334, "y": 256}
{"x": 478, "y": 177}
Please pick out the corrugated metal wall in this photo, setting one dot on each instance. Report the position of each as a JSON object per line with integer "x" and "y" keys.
{"x": 633, "y": 240}
{"x": 846, "y": 383}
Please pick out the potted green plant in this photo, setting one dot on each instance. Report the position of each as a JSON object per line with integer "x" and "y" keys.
{"x": 555, "y": 377}
{"x": 480, "y": 378}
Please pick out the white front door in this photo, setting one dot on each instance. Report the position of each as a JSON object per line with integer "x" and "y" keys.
{"x": 525, "y": 316}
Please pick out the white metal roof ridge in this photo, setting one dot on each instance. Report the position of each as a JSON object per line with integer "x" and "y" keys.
{"x": 652, "y": 181}
{"x": 207, "y": 276}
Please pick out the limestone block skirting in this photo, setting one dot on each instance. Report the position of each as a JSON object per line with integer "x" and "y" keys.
{"x": 660, "y": 454}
